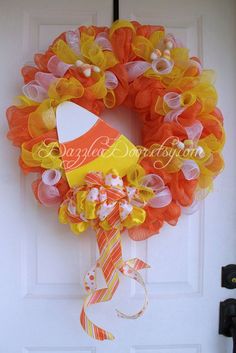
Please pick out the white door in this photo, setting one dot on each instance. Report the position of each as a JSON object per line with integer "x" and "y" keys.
{"x": 42, "y": 264}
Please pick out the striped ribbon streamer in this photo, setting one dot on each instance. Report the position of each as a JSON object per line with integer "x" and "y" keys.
{"x": 110, "y": 262}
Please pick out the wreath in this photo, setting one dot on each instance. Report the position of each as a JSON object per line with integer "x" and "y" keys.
{"x": 92, "y": 173}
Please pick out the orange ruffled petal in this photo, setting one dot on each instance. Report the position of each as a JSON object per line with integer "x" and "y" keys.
{"x": 121, "y": 40}
{"x": 18, "y": 118}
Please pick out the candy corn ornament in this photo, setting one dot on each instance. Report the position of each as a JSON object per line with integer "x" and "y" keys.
{"x": 88, "y": 144}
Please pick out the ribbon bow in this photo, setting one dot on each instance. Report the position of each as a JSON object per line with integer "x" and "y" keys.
{"x": 109, "y": 204}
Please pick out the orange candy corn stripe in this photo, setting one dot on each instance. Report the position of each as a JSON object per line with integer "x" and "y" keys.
{"x": 89, "y": 146}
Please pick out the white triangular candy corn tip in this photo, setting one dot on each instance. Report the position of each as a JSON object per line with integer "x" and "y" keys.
{"x": 73, "y": 121}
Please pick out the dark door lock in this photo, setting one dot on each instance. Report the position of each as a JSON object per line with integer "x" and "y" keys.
{"x": 228, "y": 276}
{"x": 227, "y": 325}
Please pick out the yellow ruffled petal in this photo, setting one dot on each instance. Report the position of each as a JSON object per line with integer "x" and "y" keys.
{"x": 93, "y": 53}
{"x": 88, "y": 33}
{"x": 136, "y": 217}
{"x": 64, "y": 52}
{"x": 39, "y": 151}
{"x": 99, "y": 89}
{"x": 120, "y": 24}
{"x": 110, "y": 99}
{"x": 78, "y": 228}
{"x": 167, "y": 158}
{"x": 160, "y": 106}
{"x": 90, "y": 209}
{"x": 207, "y": 95}
{"x": 176, "y": 80}
{"x": 156, "y": 37}
{"x": 80, "y": 200}
{"x": 187, "y": 99}
{"x": 109, "y": 60}
{"x": 205, "y": 181}
{"x": 45, "y": 156}
{"x": 208, "y": 76}
{"x": 212, "y": 143}
{"x": 27, "y": 157}
{"x": 25, "y": 101}
{"x": 42, "y": 119}
{"x": 145, "y": 193}
{"x": 105, "y": 225}
{"x": 180, "y": 56}
{"x": 142, "y": 47}
{"x": 65, "y": 89}
{"x": 51, "y": 163}
{"x": 62, "y": 216}
{"x": 210, "y": 170}
{"x": 134, "y": 175}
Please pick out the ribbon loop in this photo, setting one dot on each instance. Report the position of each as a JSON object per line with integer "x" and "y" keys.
{"x": 132, "y": 273}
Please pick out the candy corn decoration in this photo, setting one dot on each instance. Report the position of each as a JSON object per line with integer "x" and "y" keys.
{"x": 92, "y": 173}
{"x": 87, "y": 144}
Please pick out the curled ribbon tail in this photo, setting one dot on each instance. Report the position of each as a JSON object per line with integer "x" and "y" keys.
{"x": 130, "y": 269}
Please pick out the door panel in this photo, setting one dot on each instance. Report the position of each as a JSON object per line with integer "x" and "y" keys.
{"x": 41, "y": 261}
{"x": 184, "y": 281}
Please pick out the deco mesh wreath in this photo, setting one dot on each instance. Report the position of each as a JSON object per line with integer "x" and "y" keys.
{"x": 93, "y": 174}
